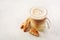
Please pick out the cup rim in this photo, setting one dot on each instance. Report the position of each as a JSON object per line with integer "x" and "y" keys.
{"x": 38, "y": 18}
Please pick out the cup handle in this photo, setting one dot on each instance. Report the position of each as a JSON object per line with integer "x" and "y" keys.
{"x": 48, "y": 22}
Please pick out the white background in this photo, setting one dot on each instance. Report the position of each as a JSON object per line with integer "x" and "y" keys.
{"x": 14, "y": 12}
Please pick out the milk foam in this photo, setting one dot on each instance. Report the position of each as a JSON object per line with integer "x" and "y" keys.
{"x": 38, "y": 13}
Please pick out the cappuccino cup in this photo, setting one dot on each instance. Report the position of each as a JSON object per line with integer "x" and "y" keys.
{"x": 37, "y": 17}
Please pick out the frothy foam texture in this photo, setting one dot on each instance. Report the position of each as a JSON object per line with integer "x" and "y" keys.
{"x": 38, "y": 13}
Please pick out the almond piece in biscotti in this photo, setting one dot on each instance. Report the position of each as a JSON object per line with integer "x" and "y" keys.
{"x": 25, "y": 25}
{"x": 22, "y": 26}
{"x": 34, "y": 32}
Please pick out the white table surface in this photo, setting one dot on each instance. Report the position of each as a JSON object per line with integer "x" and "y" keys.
{"x": 14, "y": 12}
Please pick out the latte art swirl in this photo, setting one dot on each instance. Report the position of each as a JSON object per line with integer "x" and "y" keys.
{"x": 38, "y": 13}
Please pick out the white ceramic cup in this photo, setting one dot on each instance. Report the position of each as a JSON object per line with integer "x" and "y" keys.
{"x": 38, "y": 14}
